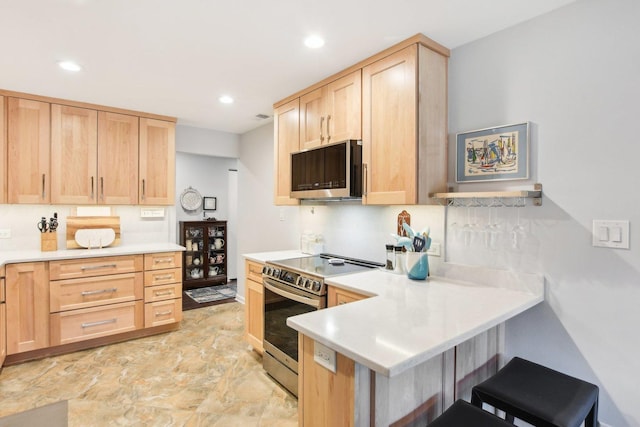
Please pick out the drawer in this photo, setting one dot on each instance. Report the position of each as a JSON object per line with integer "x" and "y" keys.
{"x": 163, "y": 260}
{"x": 87, "y": 323}
{"x": 254, "y": 271}
{"x": 162, "y": 312}
{"x": 72, "y": 294}
{"x": 162, "y": 292}
{"x": 89, "y": 267}
{"x": 163, "y": 277}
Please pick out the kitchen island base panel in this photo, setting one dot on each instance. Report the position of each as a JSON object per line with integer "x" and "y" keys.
{"x": 357, "y": 396}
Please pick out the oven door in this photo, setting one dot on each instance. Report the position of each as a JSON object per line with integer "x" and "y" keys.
{"x": 280, "y": 358}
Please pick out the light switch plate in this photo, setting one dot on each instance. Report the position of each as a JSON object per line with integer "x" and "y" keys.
{"x": 151, "y": 212}
{"x": 324, "y": 356}
{"x": 610, "y": 234}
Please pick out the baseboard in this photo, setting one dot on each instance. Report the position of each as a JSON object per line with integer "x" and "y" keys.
{"x": 240, "y": 299}
{"x": 601, "y": 424}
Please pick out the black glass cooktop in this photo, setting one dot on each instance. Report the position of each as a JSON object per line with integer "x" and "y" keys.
{"x": 326, "y": 265}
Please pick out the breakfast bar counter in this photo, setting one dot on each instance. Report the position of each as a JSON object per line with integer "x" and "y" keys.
{"x": 411, "y": 348}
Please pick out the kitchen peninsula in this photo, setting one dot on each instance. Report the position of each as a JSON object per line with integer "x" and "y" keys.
{"x": 407, "y": 352}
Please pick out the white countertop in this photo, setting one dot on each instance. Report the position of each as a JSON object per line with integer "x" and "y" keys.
{"x": 407, "y": 322}
{"x": 263, "y": 257}
{"x": 15, "y": 256}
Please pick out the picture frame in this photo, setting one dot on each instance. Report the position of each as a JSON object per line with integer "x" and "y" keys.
{"x": 210, "y": 203}
{"x": 499, "y": 153}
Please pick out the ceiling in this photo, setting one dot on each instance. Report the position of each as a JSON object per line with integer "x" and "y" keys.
{"x": 176, "y": 57}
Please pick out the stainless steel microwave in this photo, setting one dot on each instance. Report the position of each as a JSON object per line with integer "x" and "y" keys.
{"x": 328, "y": 172}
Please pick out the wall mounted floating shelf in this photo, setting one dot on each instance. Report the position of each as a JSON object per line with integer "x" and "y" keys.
{"x": 517, "y": 198}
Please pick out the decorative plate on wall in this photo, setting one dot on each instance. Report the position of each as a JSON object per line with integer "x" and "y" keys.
{"x": 190, "y": 199}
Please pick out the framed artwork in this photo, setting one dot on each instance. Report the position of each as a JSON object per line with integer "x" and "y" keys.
{"x": 493, "y": 154}
{"x": 210, "y": 203}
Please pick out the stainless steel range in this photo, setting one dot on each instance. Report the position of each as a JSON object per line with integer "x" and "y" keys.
{"x": 291, "y": 287}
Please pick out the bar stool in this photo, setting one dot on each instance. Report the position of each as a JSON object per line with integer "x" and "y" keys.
{"x": 462, "y": 414}
{"x": 539, "y": 395}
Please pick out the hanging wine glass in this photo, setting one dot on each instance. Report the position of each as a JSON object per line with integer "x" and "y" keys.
{"x": 518, "y": 233}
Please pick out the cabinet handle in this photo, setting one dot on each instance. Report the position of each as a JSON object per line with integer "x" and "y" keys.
{"x": 321, "y": 122}
{"x": 92, "y": 190}
{"x": 328, "y": 132}
{"x": 102, "y": 188}
{"x": 164, "y": 313}
{"x": 143, "y": 189}
{"x": 165, "y": 277}
{"x": 164, "y": 293}
{"x": 162, "y": 260}
{"x": 364, "y": 178}
{"x": 98, "y": 323}
{"x": 96, "y": 267}
{"x": 99, "y": 291}
{"x": 43, "y": 183}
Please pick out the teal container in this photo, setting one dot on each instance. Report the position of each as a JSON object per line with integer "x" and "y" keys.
{"x": 417, "y": 264}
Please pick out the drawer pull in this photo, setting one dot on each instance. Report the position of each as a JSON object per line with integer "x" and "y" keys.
{"x": 165, "y": 277}
{"x": 97, "y": 267}
{"x": 162, "y": 294}
{"x": 99, "y": 291}
{"x": 98, "y": 323}
{"x": 164, "y": 313}
{"x": 162, "y": 260}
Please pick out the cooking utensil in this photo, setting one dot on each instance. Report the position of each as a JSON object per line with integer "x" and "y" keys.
{"x": 418, "y": 243}
{"x": 53, "y": 222}
{"x": 43, "y": 226}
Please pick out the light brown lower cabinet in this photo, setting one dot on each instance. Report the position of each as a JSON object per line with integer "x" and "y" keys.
{"x": 3, "y": 319}
{"x": 27, "y": 299}
{"x": 254, "y": 305}
{"x": 99, "y": 300}
{"x": 339, "y": 296}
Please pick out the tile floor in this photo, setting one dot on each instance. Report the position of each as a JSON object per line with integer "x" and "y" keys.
{"x": 201, "y": 375}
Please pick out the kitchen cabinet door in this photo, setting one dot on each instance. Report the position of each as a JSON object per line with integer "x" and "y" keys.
{"x": 389, "y": 131}
{"x": 254, "y": 305}
{"x": 332, "y": 113}
{"x": 28, "y": 142}
{"x": 344, "y": 108}
{"x": 339, "y": 296}
{"x": 312, "y": 119}
{"x": 3, "y": 150}
{"x": 27, "y": 300}
{"x": 286, "y": 119}
{"x": 157, "y": 162}
{"x": 74, "y": 153}
{"x": 117, "y": 159}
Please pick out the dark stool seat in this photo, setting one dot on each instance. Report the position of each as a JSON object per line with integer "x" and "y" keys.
{"x": 539, "y": 395}
{"x": 462, "y": 414}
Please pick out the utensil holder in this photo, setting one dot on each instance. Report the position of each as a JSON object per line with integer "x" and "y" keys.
{"x": 417, "y": 265}
{"x": 49, "y": 241}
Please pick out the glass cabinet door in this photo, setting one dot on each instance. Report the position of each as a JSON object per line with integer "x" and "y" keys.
{"x": 194, "y": 241}
{"x": 217, "y": 241}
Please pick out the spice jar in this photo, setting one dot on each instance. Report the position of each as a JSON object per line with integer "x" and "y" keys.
{"x": 399, "y": 260}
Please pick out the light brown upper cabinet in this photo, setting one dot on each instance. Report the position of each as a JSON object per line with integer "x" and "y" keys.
{"x": 74, "y": 152}
{"x": 117, "y": 159}
{"x": 332, "y": 113}
{"x": 3, "y": 150}
{"x": 157, "y": 162}
{"x": 28, "y": 142}
{"x": 404, "y": 127}
{"x": 286, "y": 125}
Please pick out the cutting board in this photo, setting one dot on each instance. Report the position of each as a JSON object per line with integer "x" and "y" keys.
{"x": 75, "y": 223}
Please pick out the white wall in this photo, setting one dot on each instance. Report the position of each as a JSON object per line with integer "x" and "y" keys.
{"x": 260, "y": 227}
{"x": 209, "y": 142}
{"x": 574, "y": 73}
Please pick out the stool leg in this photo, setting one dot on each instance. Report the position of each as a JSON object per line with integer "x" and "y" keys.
{"x": 592, "y": 418}
{"x": 475, "y": 400}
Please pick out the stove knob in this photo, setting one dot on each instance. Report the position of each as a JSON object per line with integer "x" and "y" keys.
{"x": 316, "y": 286}
{"x": 299, "y": 281}
{"x": 276, "y": 273}
{"x": 265, "y": 269}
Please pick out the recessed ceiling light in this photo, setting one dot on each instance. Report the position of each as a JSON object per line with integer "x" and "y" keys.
{"x": 314, "y": 42}
{"x": 225, "y": 99}
{"x": 69, "y": 66}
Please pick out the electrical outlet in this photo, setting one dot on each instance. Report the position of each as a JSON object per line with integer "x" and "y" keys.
{"x": 5, "y": 233}
{"x": 282, "y": 215}
{"x": 324, "y": 356}
{"x": 434, "y": 250}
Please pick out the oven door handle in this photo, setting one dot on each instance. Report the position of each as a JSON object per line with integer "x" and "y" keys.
{"x": 298, "y": 298}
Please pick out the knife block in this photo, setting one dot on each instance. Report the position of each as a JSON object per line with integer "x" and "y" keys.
{"x": 49, "y": 241}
